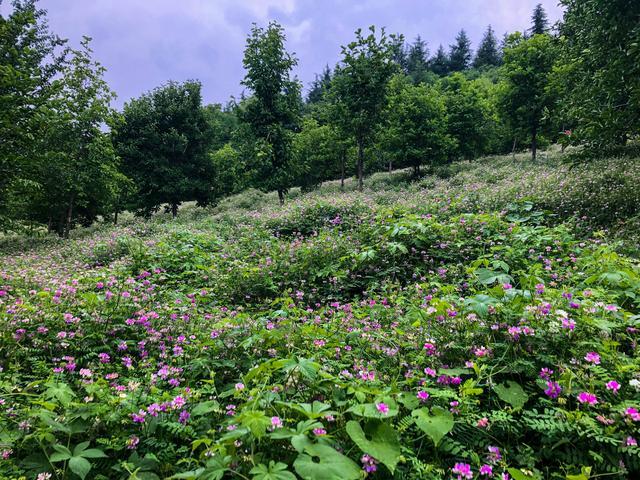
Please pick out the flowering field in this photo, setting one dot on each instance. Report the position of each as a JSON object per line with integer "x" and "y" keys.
{"x": 421, "y": 333}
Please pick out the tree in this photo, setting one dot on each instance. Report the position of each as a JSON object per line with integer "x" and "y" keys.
{"x": 223, "y": 121}
{"x": 164, "y": 143}
{"x": 439, "y": 64}
{"x": 539, "y": 21}
{"x": 460, "y": 53}
{"x": 469, "y": 115}
{"x": 417, "y": 63}
{"x": 399, "y": 51}
{"x": 30, "y": 58}
{"x": 273, "y": 112}
{"x": 320, "y": 86}
{"x": 360, "y": 88}
{"x": 416, "y": 127}
{"x": 487, "y": 54}
{"x": 528, "y": 64}
{"x": 600, "y": 59}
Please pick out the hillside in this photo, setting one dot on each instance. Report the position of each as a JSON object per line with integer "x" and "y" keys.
{"x": 481, "y": 320}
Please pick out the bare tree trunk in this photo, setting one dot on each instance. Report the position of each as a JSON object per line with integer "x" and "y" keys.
{"x": 67, "y": 226}
{"x": 513, "y": 149}
{"x": 360, "y": 165}
{"x": 174, "y": 210}
{"x": 390, "y": 166}
{"x": 342, "y": 162}
{"x": 115, "y": 217}
{"x": 534, "y": 143}
{"x": 281, "y": 197}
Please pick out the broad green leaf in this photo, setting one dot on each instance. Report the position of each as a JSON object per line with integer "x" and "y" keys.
{"x": 518, "y": 475}
{"x": 203, "y": 408}
{"x": 380, "y": 441}
{"x": 61, "y": 453}
{"x": 370, "y": 410}
{"x": 332, "y": 465}
{"x": 512, "y": 393}
{"x": 256, "y": 421}
{"x": 435, "y": 424}
{"x": 275, "y": 471}
{"x": 80, "y": 466}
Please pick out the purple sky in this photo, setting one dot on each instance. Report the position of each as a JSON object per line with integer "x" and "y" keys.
{"x": 144, "y": 43}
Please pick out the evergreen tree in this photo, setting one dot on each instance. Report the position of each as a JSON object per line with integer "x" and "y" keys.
{"x": 488, "y": 54}
{"x": 460, "y": 53}
{"x": 539, "y": 21}
{"x": 359, "y": 89}
{"x": 320, "y": 86}
{"x": 273, "y": 112}
{"x": 439, "y": 64}
{"x": 399, "y": 51}
{"x": 417, "y": 62}
{"x": 164, "y": 144}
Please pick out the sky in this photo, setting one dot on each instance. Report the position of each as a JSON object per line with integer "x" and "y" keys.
{"x": 144, "y": 43}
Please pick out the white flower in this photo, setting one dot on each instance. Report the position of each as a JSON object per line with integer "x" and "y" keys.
{"x": 635, "y": 383}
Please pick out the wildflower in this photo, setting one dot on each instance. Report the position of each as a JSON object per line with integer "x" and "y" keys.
{"x": 507, "y": 286}
{"x": 592, "y": 357}
{"x": 132, "y": 442}
{"x": 631, "y": 442}
{"x": 422, "y": 396}
{"x": 104, "y": 357}
{"x": 611, "y": 308}
{"x": 319, "y": 431}
{"x": 239, "y": 386}
{"x": 430, "y": 372}
{"x": 138, "y": 417}
{"x": 462, "y": 470}
{"x": 483, "y": 422}
{"x": 569, "y": 324}
{"x": 85, "y": 372}
{"x": 369, "y": 464}
{"x": 486, "y": 470}
{"x": 553, "y": 390}
{"x": 184, "y": 417}
{"x": 276, "y": 422}
{"x": 545, "y": 373}
{"x": 586, "y": 397}
{"x": 633, "y": 414}
{"x": 6, "y": 453}
{"x": 613, "y": 386}
{"x": 494, "y": 454}
{"x": 383, "y": 408}
{"x": 430, "y": 349}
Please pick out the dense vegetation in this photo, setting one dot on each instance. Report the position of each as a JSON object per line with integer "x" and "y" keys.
{"x": 403, "y": 276}
{"x": 455, "y": 327}
{"x": 67, "y": 158}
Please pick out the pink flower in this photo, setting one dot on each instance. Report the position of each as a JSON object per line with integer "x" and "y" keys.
{"x": 592, "y": 357}
{"x": 613, "y": 386}
{"x": 383, "y": 408}
{"x": 369, "y": 464}
{"x": 319, "y": 431}
{"x": 483, "y": 422}
{"x": 276, "y": 422}
{"x": 633, "y": 414}
{"x": 553, "y": 390}
{"x": 239, "y": 386}
{"x": 463, "y": 470}
{"x": 586, "y": 397}
{"x": 507, "y": 286}
{"x": 631, "y": 442}
{"x": 422, "y": 396}
{"x": 430, "y": 349}
{"x": 486, "y": 470}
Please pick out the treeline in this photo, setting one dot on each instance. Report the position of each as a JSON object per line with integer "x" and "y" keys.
{"x": 67, "y": 157}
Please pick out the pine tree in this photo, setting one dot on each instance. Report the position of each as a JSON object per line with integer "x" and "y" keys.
{"x": 439, "y": 64}
{"x": 320, "y": 86}
{"x": 460, "y": 53}
{"x": 417, "y": 60}
{"x": 488, "y": 53}
{"x": 539, "y": 21}
{"x": 399, "y": 51}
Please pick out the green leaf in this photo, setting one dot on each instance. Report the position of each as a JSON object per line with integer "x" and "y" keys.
{"x": 80, "y": 466}
{"x": 370, "y": 410}
{"x": 435, "y": 424}
{"x": 61, "y": 453}
{"x": 275, "y": 471}
{"x": 79, "y": 448}
{"x": 256, "y": 421}
{"x": 332, "y": 465}
{"x": 518, "y": 475}
{"x": 93, "y": 453}
{"x": 383, "y": 444}
{"x": 512, "y": 393}
{"x": 203, "y": 408}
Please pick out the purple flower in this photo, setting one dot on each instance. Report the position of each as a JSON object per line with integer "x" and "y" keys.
{"x": 553, "y": 390}
{"x": 184, "y": 417}
{"x": 422, "y": 396}
{"x": 462, "y": 470}
{"x": 138, "y": 417}
{"x": 586, "y": 397}
{"x": 369, "y": 464}
{"x": 486, "y": 470}
{"x": 383, "y": 408}
{"x": 592, "y": 357}
{"x": 613, "y": 386}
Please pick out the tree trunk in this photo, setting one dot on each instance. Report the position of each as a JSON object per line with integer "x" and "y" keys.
{"x": 174, "y": 210}
{"x": 360, "y": 164}
{"x": 342, "y": 162}
{"x": 416, "y": 170}
{"x": 115, "y": 217}
{"x": 390, "y": 166}
{"x": 513, "y": 149}
{"x": 67, "y": 226}
{"x": 281, "y": 197}
{"x": 534, "y": 143}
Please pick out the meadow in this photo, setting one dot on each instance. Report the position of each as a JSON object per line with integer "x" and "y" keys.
{"x": 478, "y": 323}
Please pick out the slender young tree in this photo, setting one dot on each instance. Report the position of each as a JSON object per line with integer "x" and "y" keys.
{"x": 488, "y": 54}
{"x": 417, "y": 60}
{"x": 460, "y": 53}
{"x": 273, "y": 112}
{"x": 360, "y": 89}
